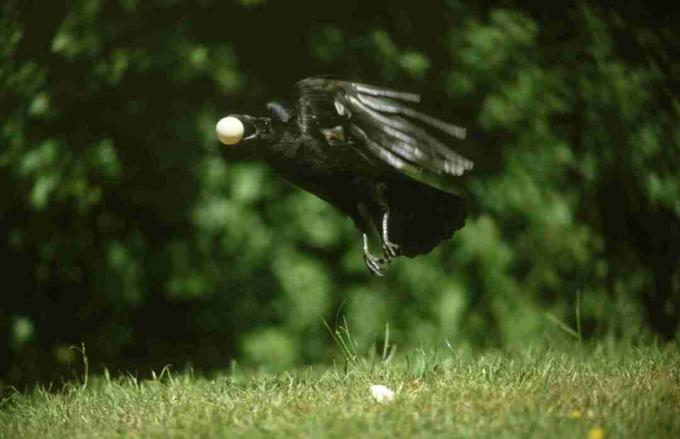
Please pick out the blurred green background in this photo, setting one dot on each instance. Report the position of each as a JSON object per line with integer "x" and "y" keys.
{"x": 124, "y": 229}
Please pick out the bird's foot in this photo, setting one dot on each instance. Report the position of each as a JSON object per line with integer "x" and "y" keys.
{"x": 374, "y": 264}
{"x": 391, "y": 250}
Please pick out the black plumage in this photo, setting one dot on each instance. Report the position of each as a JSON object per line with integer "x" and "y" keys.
{"x": 364, "y": 150}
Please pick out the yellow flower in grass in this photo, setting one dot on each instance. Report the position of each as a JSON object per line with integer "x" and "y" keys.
{"x": 596, "y": 433}
{"x": 575, "y": 414}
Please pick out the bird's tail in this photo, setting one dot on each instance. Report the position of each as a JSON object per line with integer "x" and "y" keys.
{"x": 422, "y": 216}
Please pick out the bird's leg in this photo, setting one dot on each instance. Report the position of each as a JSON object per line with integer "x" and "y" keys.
{"x": 390, "y": 249}
{"x": 373, "y": 263}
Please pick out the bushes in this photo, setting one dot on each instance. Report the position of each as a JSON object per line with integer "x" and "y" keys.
{"x": 125, "y": 229}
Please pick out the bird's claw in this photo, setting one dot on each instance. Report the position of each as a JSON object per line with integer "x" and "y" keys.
{"x": 391, "y": 250}
{"x": 375, "y": 264}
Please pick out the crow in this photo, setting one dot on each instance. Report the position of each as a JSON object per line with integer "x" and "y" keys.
{"x": 365, "y": 151}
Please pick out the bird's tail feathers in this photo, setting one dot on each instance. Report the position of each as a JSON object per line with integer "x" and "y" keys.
{"x": 422, "y": 216}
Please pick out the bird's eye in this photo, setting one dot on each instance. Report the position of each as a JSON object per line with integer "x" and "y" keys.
{"x": 230, "y": 130}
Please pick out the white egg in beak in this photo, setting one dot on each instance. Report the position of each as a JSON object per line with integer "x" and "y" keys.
{"x": 230, "y": 130}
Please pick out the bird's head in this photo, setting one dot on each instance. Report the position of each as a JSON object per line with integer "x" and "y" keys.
{"x": 241, "y": 130}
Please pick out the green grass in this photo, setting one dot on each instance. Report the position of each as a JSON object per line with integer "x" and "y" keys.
{"x": 620, "y": 391}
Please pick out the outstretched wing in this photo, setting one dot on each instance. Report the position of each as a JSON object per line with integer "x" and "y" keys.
{"x": 378, "y": 121}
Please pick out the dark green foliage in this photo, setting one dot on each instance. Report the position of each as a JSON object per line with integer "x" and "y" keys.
{"x": 124, "y": 229}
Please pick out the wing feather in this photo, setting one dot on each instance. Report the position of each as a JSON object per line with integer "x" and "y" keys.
{"x": 392, "y": 107}
{"x": 381, "y": 152}
{"x": 377, "y": 121}
{"x": 378, "y": 91}
{"x": 408, "y": 132}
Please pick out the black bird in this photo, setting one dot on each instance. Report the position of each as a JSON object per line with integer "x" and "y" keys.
{"x": 362, "y": 149}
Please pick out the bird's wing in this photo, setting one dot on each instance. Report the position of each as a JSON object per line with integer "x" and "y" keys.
{"x": 378, "y": 121}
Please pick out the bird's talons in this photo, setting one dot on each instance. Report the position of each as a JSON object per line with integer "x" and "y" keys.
{"x": 391, "y": 250}
{"x": 374, "y": 264}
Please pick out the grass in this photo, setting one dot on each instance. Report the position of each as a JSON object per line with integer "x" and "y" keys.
{"x": 587, "y": 392}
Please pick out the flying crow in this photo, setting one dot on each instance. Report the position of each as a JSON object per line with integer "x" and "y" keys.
{"x": 364, "y": 150}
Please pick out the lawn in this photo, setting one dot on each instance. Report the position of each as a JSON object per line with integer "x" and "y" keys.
{"x": 577, "y": 392}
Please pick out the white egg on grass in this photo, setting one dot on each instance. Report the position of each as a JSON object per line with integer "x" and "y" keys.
{"x": 381, "y": 394}
{"x": 230, "y": 130}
